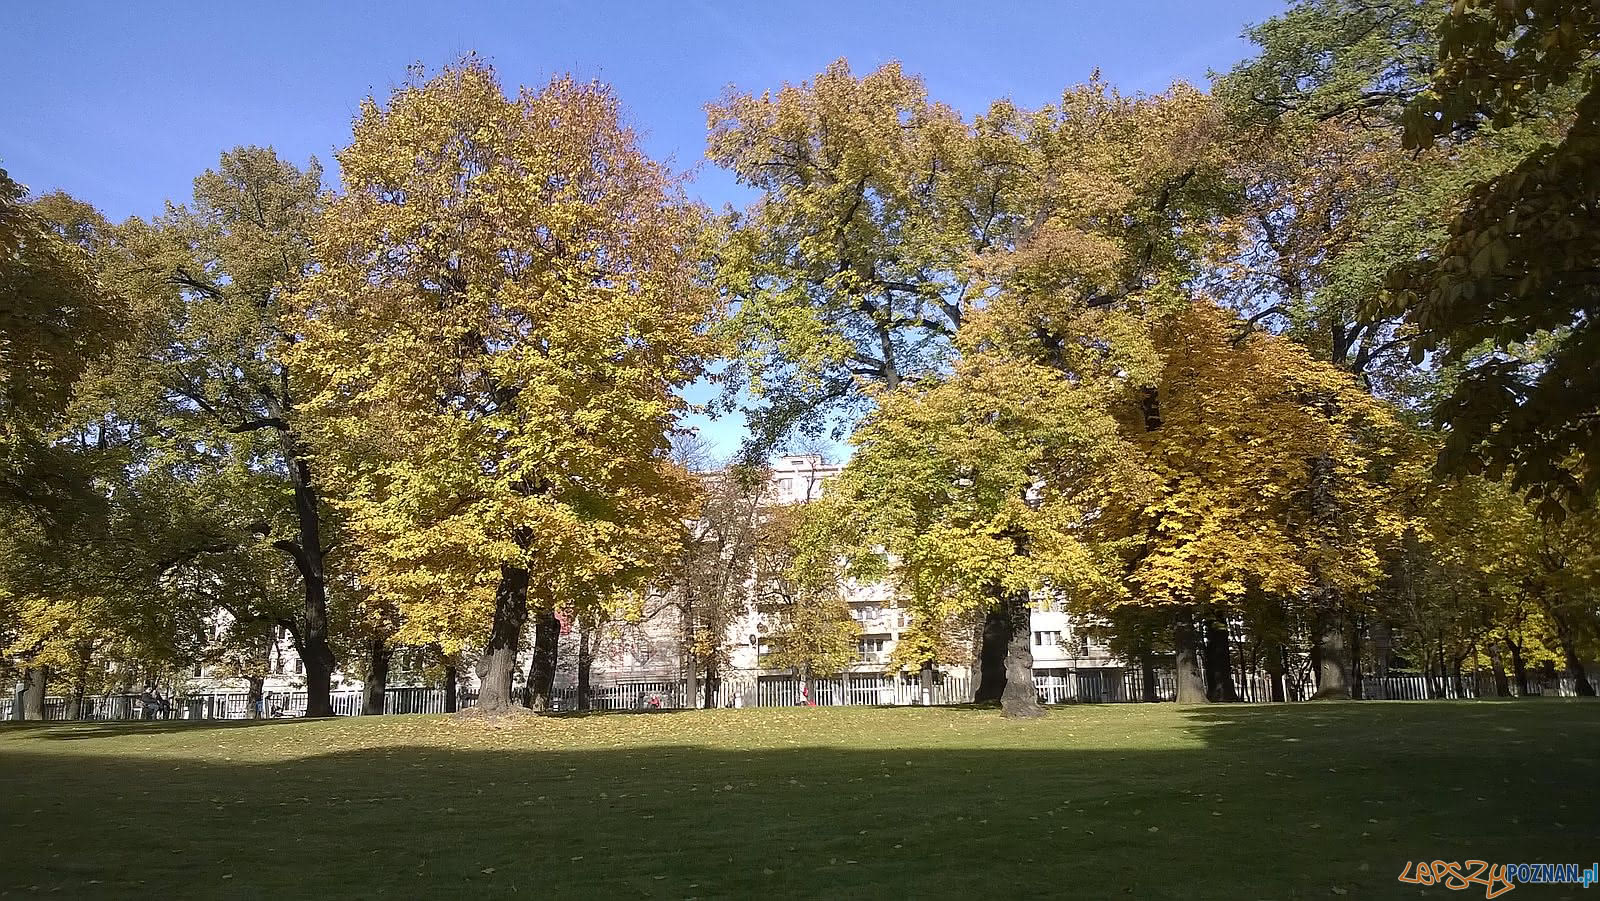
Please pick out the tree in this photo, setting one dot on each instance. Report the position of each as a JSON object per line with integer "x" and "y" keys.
{"x": 372, "y": 628}
{"x": 1337, "y": 60}
{"x": 56, "y": 320}
{"x": 966, "y": 493}
{"x": 538, "y": 692}
{"x": 201, "y": 384}
{"x": 243, "y": 650}
{"x": 1328, "y": 199}
{"x": 709, "y": 580}
{"x": 507, "y": 304}
{"x": 1512, "y": 294}
{"x": 84, "y": 552}
{"x": 938, "y": 632}
{"x": 853, "y": 273}
{"x": 591, "y": 634}
{"x": 888, "y": 222}
{"x": 1237, "y": 466}
{"x": 1290, "y": 504}
{"x": 1566, "y": 588}
{"x": 1480, "y": 571}
{"x": 799, "y": 593}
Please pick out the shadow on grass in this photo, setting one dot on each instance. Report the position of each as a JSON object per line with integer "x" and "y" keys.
{"x": 1143, "y": 802}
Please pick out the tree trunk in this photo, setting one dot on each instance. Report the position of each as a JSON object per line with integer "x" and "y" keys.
{"x": 1355, "y": 660}
{"x": 257, "y": 686}
{"x": 80, "y": 688}
{"x": 691, "y": 679}
{"x": 992, "y": 655}
{"x": 1191, "y": 687}
{"x": 311, "y": 638}
{"x": 1329, "y": 622}
{"x": 1569, "y": 651}
{"x": 499, "y": 661}
{"x": 925, "y": 683}
{"x": 38, "y": 679}
{"x": 1019, "y": 698}
{"x": 1575, "y": 669}
{"x": 1519, "y": 667}
{"x": 708, "y": 687}
{"x": 80, "y": 677}
{"x": 377, "y": 680}
{"x": 585, "y": 662}
{"x": 1382, "y": 648}
{"x": 1147, "y": 669}
{"x": 1382, "y": 651}
{"x": 1276, "y": 673}
{"x": 1333, "y": 659}
{"x": 1218, "y": 662}
{"x": 452, "y": 685}
{"x": 542, "y": 668}
{"x": 1316, "y": 662}
{"x": 1502, "y": 685}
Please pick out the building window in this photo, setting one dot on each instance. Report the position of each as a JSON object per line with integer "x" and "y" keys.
{"x": 197, "y": 670}
{"x": 299, "y": 667}
{"x": 1083, "y": 645}
{"x": 1046, "y": 639}
{"x": 870, "y": 645}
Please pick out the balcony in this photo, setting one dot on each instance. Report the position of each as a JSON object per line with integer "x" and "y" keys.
{"x": 874, "y": 618}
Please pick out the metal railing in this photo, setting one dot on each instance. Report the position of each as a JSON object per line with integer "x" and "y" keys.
{"x": 853, "y": 689}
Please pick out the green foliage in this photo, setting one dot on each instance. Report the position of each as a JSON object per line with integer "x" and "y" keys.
{"x": 853, "y": 272}
{"x": 1511, "y": 296}
{"x": 799, "y": 592}
{"x": 1323, "y": 60}
{"x": 56, "y": 320}
{"x": 1331, "y": 200}
{"x": 1500, "y": 59}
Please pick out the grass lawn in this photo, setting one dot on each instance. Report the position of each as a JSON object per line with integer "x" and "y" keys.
{"x": 1142, "y": 801}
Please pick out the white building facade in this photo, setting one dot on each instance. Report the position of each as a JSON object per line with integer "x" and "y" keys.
{"x": 1069, "y": 664}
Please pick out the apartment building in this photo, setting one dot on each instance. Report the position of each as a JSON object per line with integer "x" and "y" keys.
{"x": 1068, "y": 659}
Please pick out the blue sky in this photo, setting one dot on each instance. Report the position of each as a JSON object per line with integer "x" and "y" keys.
{"x": 123, "y": 104}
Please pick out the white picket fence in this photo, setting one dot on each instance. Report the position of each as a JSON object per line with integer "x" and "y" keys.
{"x": 1105, "y": 686}
{"x": 664, "y": 695}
